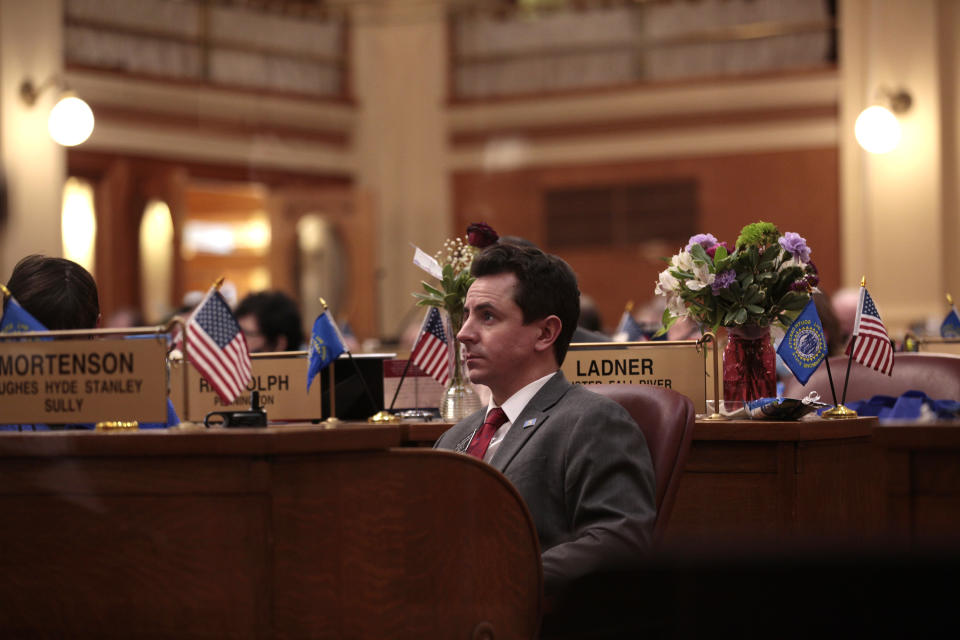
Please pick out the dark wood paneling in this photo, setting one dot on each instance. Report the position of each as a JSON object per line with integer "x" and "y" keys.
{"x": 737, "y": 457}
{"x": 257, "y": 533}
{"x": 798, "y": 190}
{"x": 722, "y": 507}
{"x": 840, "y": 488}
{"x": 129, "y": 554}
{"x": 124, "y": 185}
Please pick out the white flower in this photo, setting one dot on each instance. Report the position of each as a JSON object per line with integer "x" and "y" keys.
{"x": 682, "y": 261}
{"x": 667, "y": 284}
{"x": 676, "y": 306}
{"x": 701, "y": 277}
{"x": 792, "y": 262}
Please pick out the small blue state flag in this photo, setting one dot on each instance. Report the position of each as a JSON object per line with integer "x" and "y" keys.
{"x": 951, "y": 325}
{"x": 804, "y": 346}
{"x": 16, "y": 319}
{"x": 326, "y": 344}
{"x": 629, "y": 330}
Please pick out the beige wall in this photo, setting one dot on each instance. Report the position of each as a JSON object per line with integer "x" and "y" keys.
{"x": 899, "y": 209}
{"x": 30, "y": 47}
{"x": 399, "y": 56}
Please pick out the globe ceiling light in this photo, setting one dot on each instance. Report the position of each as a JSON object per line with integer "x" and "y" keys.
{"x": 877, "y": 128}
{"x": 71, "y": 119}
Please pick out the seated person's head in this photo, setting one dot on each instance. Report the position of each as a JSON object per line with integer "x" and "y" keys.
{"x": 521, "y": 314}
{"x": 270, "y": 321}
{"x": 59, "y": 293}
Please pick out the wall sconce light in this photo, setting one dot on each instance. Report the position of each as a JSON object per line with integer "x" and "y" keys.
{"x": 877, "y": 128}
{"x": 71, "y": 119}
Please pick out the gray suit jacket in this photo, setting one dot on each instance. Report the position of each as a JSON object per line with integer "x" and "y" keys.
{"x": 582, "y": 465}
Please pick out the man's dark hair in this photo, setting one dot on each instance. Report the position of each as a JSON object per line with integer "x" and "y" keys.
{"x": 546, "y": 285}
{"x": 57, "y": 292}
{"x": 277, "y": 315}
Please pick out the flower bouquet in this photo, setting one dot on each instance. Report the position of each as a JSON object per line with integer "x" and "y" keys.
{"x": 455, "y": 259}
{"x": 765, "y": 281}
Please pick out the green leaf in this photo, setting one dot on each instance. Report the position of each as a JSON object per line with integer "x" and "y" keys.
{"x": 741, "y": 316}
{"x": 720, "y": 254}
{"x": 727, "y": 295}
{"x": 431, "y": 289}
{"x": 667, "y": 320}
{"x": 793, "y": 301}
{"x": 699, "y": 254}
{"x": 769, "y": 256}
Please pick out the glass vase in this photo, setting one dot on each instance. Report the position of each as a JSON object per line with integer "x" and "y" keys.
{"x": 749, "y": 364}
{"x": 459, "y": 398}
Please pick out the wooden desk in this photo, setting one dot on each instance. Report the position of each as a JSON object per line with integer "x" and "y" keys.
{"x": 422, "y": 434}
{"x": 759, "y": 480}
{"x": 259, "y": 533}
{"x": 755, "y": 480}
{"x": 923, "y": 482}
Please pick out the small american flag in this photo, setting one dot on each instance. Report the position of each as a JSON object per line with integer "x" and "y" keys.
{"x": 430, "y": 351}
{"x": 871, "y": 344}
{"x": 218, "y": 348}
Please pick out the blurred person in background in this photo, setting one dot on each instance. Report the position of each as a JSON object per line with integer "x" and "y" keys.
{"x": 58, "y": 292}
{"x": 61, "y": 294}
{"x": 844, "y": 304}
{"x": 270, "y": 321}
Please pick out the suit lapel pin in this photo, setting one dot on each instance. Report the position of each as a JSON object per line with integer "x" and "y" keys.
{"x": 530, "y": 423}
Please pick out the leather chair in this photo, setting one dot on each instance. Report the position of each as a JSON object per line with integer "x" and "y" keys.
{"x": 936, "y": 374}
{"x": 666, "y": 419}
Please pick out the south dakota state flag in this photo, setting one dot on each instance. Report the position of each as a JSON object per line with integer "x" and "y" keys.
{"x": 804, "y": 346}
{"x": 326, "y": 344}
{"x": 951, "y": 325}
{"x": 16, "y": 319}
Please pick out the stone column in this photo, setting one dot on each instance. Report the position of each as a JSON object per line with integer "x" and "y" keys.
{"x": 31, "y": 47}
{"x": 900, "y": 209}
{"x": 399, "y": 57}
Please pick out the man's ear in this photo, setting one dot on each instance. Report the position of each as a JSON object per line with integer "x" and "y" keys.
{"x": 549, "y": 332}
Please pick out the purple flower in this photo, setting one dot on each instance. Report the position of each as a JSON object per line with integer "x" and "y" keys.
{"x": 723, "y": 280}
{"x": 795, "y": 245}
{"x": 705, "y": 240}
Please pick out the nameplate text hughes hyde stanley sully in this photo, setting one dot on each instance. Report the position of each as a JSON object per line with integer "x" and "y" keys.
{"x": 83, "y": 380}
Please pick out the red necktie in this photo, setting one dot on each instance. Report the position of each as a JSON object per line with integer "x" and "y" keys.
{"x": 481, "y": 439}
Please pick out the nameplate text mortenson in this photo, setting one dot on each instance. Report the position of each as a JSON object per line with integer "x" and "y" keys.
{"x": 83, "y": 380}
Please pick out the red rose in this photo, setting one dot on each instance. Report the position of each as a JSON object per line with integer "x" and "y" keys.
{"x": 712, "y": 251}
{"x": 481, "y": 235}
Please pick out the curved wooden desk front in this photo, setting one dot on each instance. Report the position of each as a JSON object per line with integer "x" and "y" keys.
{"x": 762, "y": 481}
{"x": 293, "y": 532}
{"x": 750, "y": 481}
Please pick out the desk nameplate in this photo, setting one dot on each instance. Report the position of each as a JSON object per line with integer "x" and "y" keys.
{"x": 280, "y": 378}
{"x": 81, "y": 381}
{"x": 679, "y": 365}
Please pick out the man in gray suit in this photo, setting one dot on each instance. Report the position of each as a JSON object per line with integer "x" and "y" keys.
{"x": 578, "y": 459}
